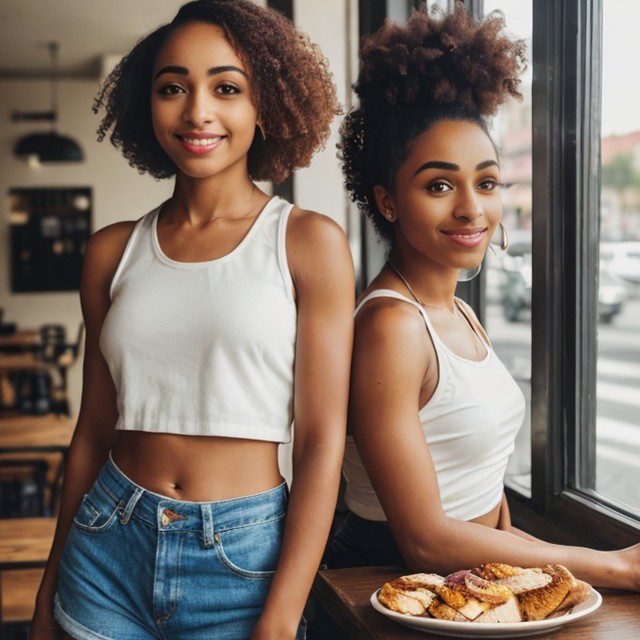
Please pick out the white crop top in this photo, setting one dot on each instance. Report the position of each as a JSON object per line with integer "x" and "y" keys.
{"x": 470, "y": 424}
{"x": 205, "y": 348}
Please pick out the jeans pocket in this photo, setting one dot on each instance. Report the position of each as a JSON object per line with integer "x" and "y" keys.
{"x": 97, "y": 511}
{"x": 251, "y": 551}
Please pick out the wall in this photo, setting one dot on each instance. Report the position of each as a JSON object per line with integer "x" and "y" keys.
{"x": 319, "y": 186}
{"x": 119, "y": 192}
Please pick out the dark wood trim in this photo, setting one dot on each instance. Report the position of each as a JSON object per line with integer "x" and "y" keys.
{"x": 285, "y": 7}
{"x": 525, "y": 517}
{"x": 586, "y": 221}
{"x": 548, "y": 149}
{"x": 285, "y": 189}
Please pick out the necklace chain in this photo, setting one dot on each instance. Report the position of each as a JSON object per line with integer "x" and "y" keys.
{"x": 406, "y": 284}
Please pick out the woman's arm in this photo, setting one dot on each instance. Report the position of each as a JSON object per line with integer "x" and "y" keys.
{"x": 504, "y": 523}
{"x": 94, "y": 433}
{"x": 391, "y": 354}
{"x": 322, "y": 270}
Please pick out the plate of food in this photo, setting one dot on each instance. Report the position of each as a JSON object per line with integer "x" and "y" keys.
{"x": 491, "y": 601}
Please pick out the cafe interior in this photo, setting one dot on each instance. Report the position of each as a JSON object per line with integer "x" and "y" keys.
{"x": 59, "y": 185}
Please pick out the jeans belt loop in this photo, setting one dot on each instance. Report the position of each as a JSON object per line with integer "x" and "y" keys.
{"x": 125, "y": 514}
{"x": 207, "y": 525}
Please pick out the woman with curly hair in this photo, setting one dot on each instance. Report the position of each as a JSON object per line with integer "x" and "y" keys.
{"x": 175, "y": 521}
{"x": 433, "y": 413}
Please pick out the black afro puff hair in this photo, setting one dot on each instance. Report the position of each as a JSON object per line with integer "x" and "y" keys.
{"x": 435, "y": 67}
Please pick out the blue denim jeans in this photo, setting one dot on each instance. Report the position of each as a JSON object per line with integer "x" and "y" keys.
{"x": 137, "y": 565}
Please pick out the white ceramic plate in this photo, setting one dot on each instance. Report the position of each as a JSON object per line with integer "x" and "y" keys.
{"x": 490, "y": 629}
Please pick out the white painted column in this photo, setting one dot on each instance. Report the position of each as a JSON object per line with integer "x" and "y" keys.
{"x": 319, "y": 187}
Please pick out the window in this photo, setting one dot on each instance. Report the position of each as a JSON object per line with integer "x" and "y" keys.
{"x": 617, "y": 455}
{"x": 508, "y": 276}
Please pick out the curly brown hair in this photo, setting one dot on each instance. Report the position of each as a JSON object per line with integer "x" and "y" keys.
{"x": 413, "y": 76}
{"x": 290, "y": 83}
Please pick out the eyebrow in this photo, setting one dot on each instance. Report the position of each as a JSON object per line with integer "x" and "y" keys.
{"x": 183, "y": 71}
{"x": 450, "y": 166}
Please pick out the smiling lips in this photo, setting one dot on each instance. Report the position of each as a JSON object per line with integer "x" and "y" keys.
{"x": 199, "y": 143}
{"x": 467, "y": 237}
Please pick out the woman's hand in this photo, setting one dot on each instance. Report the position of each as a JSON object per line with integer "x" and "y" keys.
{"x": 629, "y": 561}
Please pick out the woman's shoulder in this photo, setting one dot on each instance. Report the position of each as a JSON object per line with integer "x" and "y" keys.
{"x": 109, "y": 243}
{"x": 386, "y": 323}
{"x": 317, "y": 244}
{"x": 106, "y": 247}
{"x": 313, "y": 230}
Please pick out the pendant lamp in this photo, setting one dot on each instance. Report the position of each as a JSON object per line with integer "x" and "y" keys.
{"x": 47, "y": 146}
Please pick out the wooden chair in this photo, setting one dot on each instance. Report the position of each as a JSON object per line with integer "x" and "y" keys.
{"x": 44, "y": 469}
{"x": 17, "y": 473}
{"x": 55, "y": 350}
{"x": 24, "y": 547}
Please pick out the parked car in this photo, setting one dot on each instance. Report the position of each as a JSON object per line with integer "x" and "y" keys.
{"x": 622, "y": 259}
{"x": 516, "y": 286}
{"x": 612, "y": 292}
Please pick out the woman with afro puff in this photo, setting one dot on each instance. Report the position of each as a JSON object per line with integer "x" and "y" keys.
{"x": 433, "y": 413}
{"x": 175, "y": 521}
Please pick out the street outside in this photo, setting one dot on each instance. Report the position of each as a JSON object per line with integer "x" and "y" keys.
{"x": 618, "y": 399}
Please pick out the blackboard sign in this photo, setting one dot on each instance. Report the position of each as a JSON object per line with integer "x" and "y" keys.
{"x": 50, "y": 228}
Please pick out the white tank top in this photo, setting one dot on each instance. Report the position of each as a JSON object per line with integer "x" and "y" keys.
{"x": 470, "y": 424}
{"x": 205, "y": 348}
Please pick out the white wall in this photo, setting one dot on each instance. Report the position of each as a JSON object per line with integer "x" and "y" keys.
{"x": 119, "y": 192}
{"x": 319, "y": 186}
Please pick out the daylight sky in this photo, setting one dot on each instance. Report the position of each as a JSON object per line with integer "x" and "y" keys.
{"x": 621, "y": 56}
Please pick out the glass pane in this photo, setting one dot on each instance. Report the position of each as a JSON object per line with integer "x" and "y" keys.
{"x": 618, "y": 373}
{"x": 508, "y": 276}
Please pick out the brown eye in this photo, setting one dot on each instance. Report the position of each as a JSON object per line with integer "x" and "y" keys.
{"x": 439, "y": 187}
{"x": 489, "y": 185}
{"x": 170, "y": 90}
{"x": 227, "y": 89}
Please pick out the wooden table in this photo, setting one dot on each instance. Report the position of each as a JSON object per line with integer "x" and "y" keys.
{"x": 344, "y": 594}
{"x": 36, "y": 433}
{"x": 24, "y": 549}
{"x": 25, "y": 542}
{"x": 24, "y": 339}
{"x": 22, "y": 362}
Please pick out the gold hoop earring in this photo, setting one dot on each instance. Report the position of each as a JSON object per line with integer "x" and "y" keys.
{"x": 504, "y": 244}
{"x": 261, "y": 130}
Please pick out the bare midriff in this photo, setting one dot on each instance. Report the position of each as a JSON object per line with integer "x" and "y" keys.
{"x": 489, "y": 519}
{"x": 197, "y": 468}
